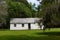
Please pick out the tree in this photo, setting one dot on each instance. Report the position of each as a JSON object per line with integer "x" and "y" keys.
{"x": 49, "y": 11}
{"x": 3, "y": 12}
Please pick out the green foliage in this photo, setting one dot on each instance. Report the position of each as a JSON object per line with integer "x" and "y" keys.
{"x": 50, "y": 12}
{"x": 18, "y": 9}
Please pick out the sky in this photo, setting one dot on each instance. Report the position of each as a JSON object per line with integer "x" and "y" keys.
{"x": 34, "y": 1}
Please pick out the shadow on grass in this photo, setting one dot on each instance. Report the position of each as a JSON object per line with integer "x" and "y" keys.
{"x": 35, "y": 36}
{"x": 49, "y": 33}
{"x": 25, "y": 37}
{"x": 21, "y": 37}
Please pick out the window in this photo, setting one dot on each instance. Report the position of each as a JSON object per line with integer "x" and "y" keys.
{"x": 14, "y": 25}
{"x": 22, "y": 25}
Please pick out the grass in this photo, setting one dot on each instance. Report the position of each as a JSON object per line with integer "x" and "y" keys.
{"x": 52, "y": 34}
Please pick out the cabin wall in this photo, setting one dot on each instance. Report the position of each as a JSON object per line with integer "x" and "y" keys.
{"x": 35, "y": 26}
{"x": 19, "y": 26}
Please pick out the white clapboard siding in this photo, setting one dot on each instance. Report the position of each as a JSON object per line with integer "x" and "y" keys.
{"x": 19, "y": 21}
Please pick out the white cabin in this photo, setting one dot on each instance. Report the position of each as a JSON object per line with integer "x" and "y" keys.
{"x": 25, "y": 23}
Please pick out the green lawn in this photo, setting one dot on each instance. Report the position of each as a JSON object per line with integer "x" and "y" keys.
{"x": 53, "y": 34}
